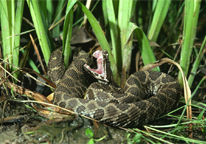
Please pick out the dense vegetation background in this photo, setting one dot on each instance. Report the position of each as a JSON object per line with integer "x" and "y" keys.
{"x": 135, "y": 33}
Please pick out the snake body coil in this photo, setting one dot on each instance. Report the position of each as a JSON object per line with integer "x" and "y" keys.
{"x": 146, "y": 95}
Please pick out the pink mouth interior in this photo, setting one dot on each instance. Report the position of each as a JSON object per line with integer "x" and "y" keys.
{"x": 99, "y": 57}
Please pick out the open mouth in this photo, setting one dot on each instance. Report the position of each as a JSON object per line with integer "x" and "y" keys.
{"x": 100, "y": 72}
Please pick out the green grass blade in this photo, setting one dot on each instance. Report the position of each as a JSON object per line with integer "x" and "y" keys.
{"x": 97, "y": 29}
{"x": 41, "y": 28}
{"x": 11, "y": 24}
{"x": 5, "y": 29}
{"x": 101, "y": 38}
{"x": 0, "y": 21}
{"x": 57, "y": 16}
{"x": 50, "y": 11}
{"x": 146, "y": 51}
{"x": 47, "y": 10}
{"x": 104, "y": 10}
{"x": 124, "y": 14}
{"x": 116, "y": 7}
{"x": 67, "y": 33}
{"x": 160, "y": 13}
{"x": 65, "y": 29}
{"x": 18, "y": 23}
{"x": 196, "y": 64}
{"x": 42, "y": 5}
{"x": 127, "y": 52}
{"x": 14, "y": 50}
{"x": 189, "y": 30}
{"x": 175, "y": 136}
{"x": 8, "y": 31}
{"x": 115, "y": 39}
{"x": 31, "y": 63}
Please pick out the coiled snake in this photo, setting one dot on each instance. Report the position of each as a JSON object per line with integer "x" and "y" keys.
{"x": 146, "y": 95}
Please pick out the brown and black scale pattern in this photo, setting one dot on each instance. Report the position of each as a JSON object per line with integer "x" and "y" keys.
{"x": 146, "y": 95}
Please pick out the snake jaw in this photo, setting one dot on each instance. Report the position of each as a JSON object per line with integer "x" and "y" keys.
{"x": 100, "y": 73}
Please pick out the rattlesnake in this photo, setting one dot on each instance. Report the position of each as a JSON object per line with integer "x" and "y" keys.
{"x": 146, "y": 95}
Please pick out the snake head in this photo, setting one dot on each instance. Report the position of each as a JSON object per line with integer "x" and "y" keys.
{"x": 103, "y": 71}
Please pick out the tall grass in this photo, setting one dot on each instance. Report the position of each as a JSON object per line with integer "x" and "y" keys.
{"x": 117, "y": 14}
{"x": 125, "y": 21}
{"x": 191, "y": 14}
{"x": 11, "y": 20}
{"x": 41, "y": 28}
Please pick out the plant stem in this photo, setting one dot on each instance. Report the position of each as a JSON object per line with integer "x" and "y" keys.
{"x": 196, "y": 64}
{"x": 41, "y": 28}
{"x": 189, "y": 30}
